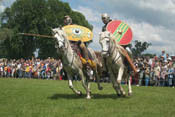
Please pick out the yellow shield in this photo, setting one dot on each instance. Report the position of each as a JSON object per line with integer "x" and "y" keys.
{"x": 76, "y": 33}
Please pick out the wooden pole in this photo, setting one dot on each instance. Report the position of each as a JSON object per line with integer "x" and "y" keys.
{"x": 36, "y": 35}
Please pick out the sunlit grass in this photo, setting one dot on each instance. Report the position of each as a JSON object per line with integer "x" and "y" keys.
{"x": 50, "y": 98}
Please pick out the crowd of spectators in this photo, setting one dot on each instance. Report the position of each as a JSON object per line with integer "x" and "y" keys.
{"x": 32, "y": 68}
{"x": 156, "y": 71}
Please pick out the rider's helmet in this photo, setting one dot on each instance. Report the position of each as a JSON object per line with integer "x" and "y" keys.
{"x": 67, "y": 20}
{"x": 105, "y": 18}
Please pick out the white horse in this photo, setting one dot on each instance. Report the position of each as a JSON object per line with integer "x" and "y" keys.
{"x": 72, "y": 63}
{"x": 111, "y": 51}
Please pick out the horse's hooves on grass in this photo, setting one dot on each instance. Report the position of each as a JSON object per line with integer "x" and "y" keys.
{"x": 119, "y": 95}
{"x": 88, "y": 97}
{"x": 100, "y": 88}
{"x": 90, "y": 92}
{"x": 124, "y": 95}
{"x": 80, "y": 93}
{"x": 129, "y": 94}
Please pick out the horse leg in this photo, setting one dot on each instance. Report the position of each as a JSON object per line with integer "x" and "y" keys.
{"x": 115, "y": 85}
{"x": 72, "y": 87}
{"x": 119, "y": 78}
{"x": 98, "y": 79}
{"x": 88, "y": 84}
{"x": 129, "y": 86}
{"x": 85, "y": 84}
{"x": 113, "y": 80}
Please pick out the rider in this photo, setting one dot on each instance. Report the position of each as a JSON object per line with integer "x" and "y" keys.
{"x": 80, "y": 47}
{"x": 106, "y": 19}
{"x": 67, "y": 20}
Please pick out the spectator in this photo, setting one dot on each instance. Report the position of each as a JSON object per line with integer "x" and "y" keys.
{"x": 142, "y": 71}
{"x": 170, "y": 75}
{"x": 174, "y": 78}
{"x": 5, "y": 71}
{"x": 43, "y": 70}
{"x": 163, "y": 55}
{"x": 163, "y": 75}
{"x": 27, "y": 70}
{"x": 152, "y": 80}
{"x": 147, "y": 75}
{"x": 157, "y": 74}
{"x": 19, "y": 69}
{"x": 1, "y": 69}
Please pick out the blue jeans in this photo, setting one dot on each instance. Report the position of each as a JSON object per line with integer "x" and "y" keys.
{"x": 162, "y": 82}
{"x": 141, "y": 77}
{"x": 146, "y": 81}
{"x": 30, "y": 74}
{"x": 20, "y": 73}
{"x": 26, "y": 75}
{"x": 43, "y": 74}
{"x": 170, "y": 81}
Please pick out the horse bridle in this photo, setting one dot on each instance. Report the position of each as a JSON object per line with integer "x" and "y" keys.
{"x": 66, "y": 48}
{"x": 115, "y": 59}
{"x": 62, "y": 40}
{"x": 110, "y": 47}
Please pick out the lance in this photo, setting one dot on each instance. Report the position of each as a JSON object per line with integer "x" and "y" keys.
{"x": 36, "y": 35}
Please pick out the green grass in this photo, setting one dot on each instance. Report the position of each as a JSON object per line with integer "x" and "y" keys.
{"x": 49, "y": 98}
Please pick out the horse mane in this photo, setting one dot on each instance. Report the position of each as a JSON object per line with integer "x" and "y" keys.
{"x": 66, "y": 38}
{"x": 64, "y": 35}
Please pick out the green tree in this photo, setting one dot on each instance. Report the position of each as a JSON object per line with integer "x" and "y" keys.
{"x": 139, "y": 48}
{"x": 5, "y": 41}
{"x": 39, "y": 17}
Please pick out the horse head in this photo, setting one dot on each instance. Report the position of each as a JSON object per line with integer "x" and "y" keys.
{"x": 60, "y": 37}
{"x": 105, "y": 38}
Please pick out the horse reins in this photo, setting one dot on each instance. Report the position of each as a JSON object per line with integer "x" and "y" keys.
{"x": 114, "y": 47}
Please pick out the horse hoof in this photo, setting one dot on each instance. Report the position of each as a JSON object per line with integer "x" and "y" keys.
{"x": 129, "y": 94}
{"x": 119, "y": 95}
{"x": 90, "y": 92}
{"x": 100, "y": 88}
{"x": 88, "y": 97}
{"x": 123, "y": 95}
{"x": 80, "y": 93}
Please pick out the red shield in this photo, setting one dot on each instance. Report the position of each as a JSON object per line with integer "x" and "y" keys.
{"x": 121, "y": 31}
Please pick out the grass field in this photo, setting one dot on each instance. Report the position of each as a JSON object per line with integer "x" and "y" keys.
{"x": 49, "y": 98}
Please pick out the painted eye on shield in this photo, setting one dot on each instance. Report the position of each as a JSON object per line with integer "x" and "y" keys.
{"x": 76, "y": 31}
{"x": 89, "y": 34}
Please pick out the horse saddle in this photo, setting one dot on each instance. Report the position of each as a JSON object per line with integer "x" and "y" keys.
{"x": 83, "y": 53}
{"x": 89, "y": 61}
